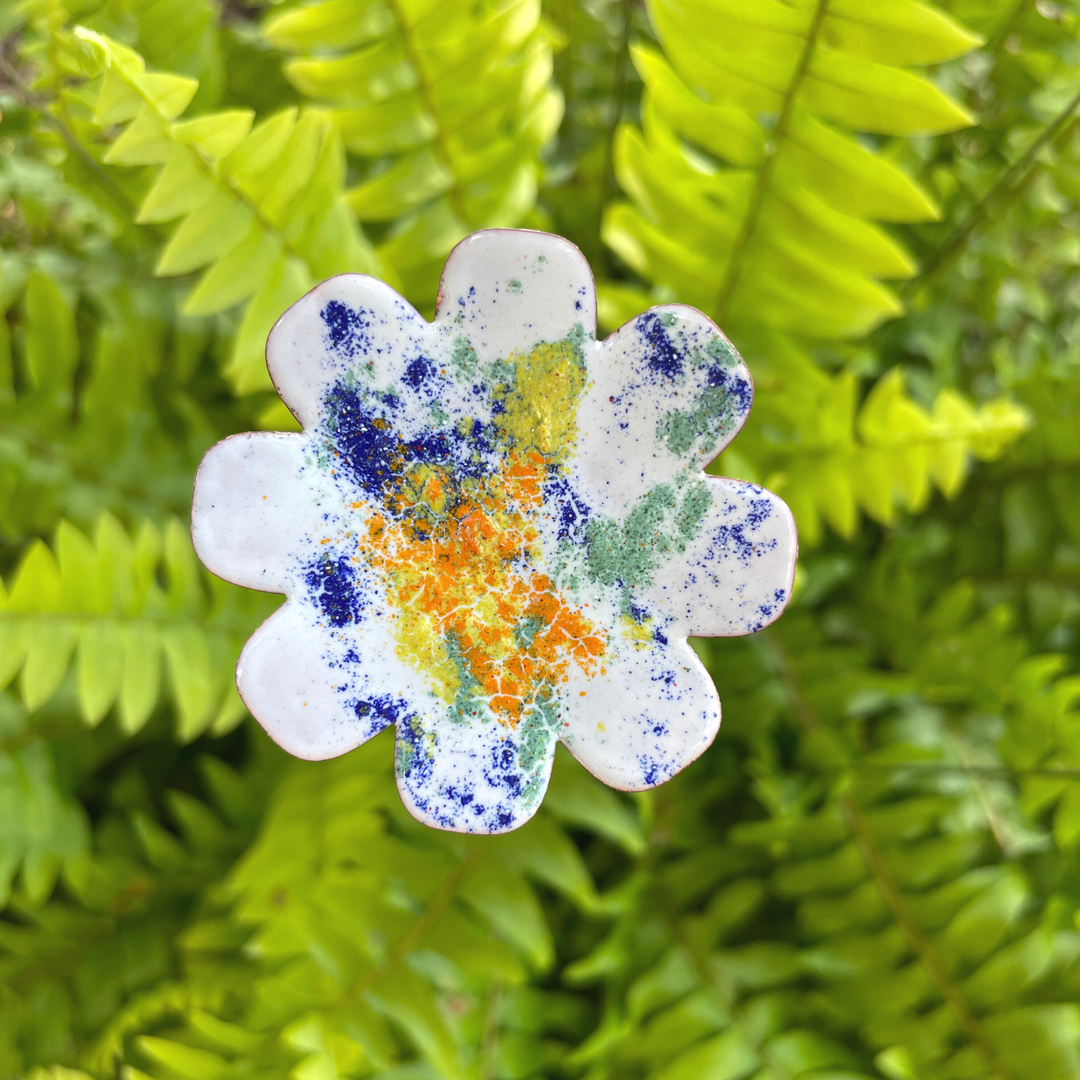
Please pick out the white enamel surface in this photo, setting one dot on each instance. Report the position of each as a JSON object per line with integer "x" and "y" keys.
{"x": 466, "y": 779}
{"x": 255, "y": 507}
{"x": 300, "y": 355}
{"x": 642, "y": 722}
{"x": 296, "y": 678}
{"x": 513, "y": 294}
{"x": 633, "y": 389}
{"x": 491, "y": 553}
{"x": 735, "y": 576}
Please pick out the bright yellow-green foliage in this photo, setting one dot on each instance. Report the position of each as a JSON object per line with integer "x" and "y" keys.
{"x": 777, "y": 227}
{"x": 446, "y": 102}
{"x": 876, "y": 456}
{"x": 874, "y": 873}
{"x": 261, "y": 208}
{"x": 103, "y": 603}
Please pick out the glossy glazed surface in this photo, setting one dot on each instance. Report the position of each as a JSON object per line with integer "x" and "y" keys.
{"x": 494, "y": 531}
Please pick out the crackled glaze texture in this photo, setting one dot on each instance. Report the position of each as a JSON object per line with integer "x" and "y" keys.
{"x": 494, "y": 531}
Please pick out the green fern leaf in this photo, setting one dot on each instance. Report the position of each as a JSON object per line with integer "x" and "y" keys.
{"x": 102, "y": 602}
{"x": 775, "y": 226}
{"x": 364, "y": 964}
{"x": 833, "y": 458}
{"x": 447, "y": 154}
{"x": 261, "y": 209}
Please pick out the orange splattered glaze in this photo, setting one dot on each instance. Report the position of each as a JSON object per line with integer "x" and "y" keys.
{"x": 454, "y": 518}
{"x": 468, "y": 570}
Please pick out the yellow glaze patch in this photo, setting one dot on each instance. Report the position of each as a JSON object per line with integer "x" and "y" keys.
{"x": 463, "y": 559}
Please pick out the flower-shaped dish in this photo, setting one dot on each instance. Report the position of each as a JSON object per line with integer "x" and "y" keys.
{"x": 494, "y": 531}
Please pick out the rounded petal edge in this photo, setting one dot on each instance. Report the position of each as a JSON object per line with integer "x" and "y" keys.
{"x": 667, "y": 392}
{"x": 512, "y": 288}
{"x": 475, "y": 777}
{"x": 291, "y": 674}
{"x": 343, "y": 323}
{"x": 735, "y": 575}
{"x": 253, "y": 509}
{"x": 644, "y": 720}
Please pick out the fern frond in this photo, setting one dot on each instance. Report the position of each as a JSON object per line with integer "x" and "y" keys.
{"x": 982, "y": 659}
{"x": 450, "y": 103}
{"x": 101, "y": 603}
{"x": 930, "y": 944}
{"x": 45, "y": 828}
{"x": 834, "y": 457}
{"x": 750, "y": 197}
{"x": 81, "y": 406}
{"x": 261, "y": 208}
{"x": 105, "y": 943}
{"x": 879, "y": 918}
{"x": 181, "y": 36}
{"x": 406, "y": 951}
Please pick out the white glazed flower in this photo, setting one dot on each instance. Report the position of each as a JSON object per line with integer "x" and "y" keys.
{"x": 494, "y": 531}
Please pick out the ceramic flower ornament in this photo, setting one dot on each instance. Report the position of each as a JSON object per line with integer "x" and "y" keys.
{"x": 494, "y": 531}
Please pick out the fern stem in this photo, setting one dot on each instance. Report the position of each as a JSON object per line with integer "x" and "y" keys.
{"x": 978, "y": 784}
{"x": 765, "y": 173}
{"x": 423, "y": 925}
{"x": 427, "y": 98}
{"x": 883, "y": 877}
{"x": 618, "y": 105}
{"x": 924, "y": 949}
{"x": 1005, "y": 28}
{"x": 89, "y": 162}
{"x": 256, "y": 210}
{"x": 1025, "y": 167}
{"x": 720, "y": 995}
{"x": 229, "y": 182}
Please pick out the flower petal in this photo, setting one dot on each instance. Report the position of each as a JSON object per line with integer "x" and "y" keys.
{"x": 513, "y": 288}
{"x": 473, "y": 776}
{"x": 650, "y": 714}
{"x": 316, "y": 691}
{"x": 735, "y": 575}
{"x": 348, "y": 323}
{"x": 667, "y": 392}
{"x": 255, "y": 507}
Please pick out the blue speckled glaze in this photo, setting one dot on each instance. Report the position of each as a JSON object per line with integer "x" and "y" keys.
{"x": 494, "y": 532}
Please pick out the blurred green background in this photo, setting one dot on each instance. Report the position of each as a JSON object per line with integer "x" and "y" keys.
{"x": 873, "y": 872}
